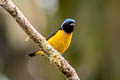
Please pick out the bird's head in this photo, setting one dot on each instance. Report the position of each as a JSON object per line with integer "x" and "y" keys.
{"x": 68, "y": 25}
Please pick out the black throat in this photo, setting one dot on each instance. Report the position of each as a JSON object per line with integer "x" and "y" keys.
{"x": 68, "y": 29}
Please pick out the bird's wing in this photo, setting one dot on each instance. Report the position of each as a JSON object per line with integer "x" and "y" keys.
{"x": 53, "y": 33}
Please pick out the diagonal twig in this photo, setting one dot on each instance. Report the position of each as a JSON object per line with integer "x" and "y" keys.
{"x": 52, "y": 54}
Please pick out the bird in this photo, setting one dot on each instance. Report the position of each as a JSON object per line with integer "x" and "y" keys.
{"x": 61, "y": 38}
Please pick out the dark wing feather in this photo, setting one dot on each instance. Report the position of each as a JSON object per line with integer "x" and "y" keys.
{"x": 53, "y": 33}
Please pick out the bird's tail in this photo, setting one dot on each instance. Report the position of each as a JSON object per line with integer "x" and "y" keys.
{"x": 36, "y": 53}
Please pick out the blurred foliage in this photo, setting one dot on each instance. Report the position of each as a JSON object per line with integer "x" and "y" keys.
{"x": 95, "y": 47}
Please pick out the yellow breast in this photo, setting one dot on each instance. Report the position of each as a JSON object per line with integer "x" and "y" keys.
{"x": 60, "y": 41}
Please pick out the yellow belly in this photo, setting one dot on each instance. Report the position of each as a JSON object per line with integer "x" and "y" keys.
{"x": 60, "y": 41}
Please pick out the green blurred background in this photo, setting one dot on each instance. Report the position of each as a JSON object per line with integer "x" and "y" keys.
{"x": 95, "y": 47}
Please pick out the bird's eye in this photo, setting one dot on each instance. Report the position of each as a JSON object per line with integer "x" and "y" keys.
{"x": 71, "y": 24}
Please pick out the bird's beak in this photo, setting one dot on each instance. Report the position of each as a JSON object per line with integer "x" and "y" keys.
{"x": 72, "y": 24}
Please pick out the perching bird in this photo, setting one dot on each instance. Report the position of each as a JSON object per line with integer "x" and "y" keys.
{"x": 61, "y": 38}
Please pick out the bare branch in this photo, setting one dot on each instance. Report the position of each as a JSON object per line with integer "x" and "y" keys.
{"x": 52, "y": 54}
